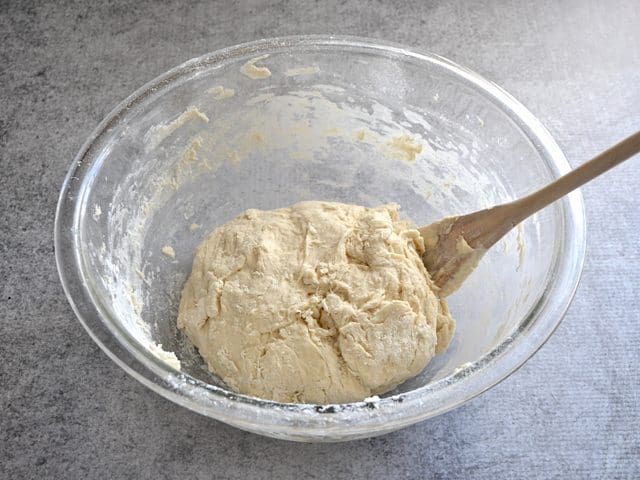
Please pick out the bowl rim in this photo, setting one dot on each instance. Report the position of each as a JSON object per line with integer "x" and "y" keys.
{"x": 308, "y": 421}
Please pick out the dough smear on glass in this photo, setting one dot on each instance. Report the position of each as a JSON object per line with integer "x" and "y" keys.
{"x": 317, "y": 303}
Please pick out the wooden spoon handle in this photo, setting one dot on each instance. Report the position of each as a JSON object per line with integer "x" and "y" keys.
{"x": 576, "y": 178}
{"x": 486, "y": 227}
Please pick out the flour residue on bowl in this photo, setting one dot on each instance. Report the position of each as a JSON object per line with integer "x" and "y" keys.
{"x": 185, "y": 166}
{"x": 405, "y": 147}
{"x": 159, "y": 133}
{"x": 519, "y": 246}
{"x": 167, "y": 357}
{"x": 297, "y": 71}
{"x": 220, "y": 93}
{"x": 254, "y": 72}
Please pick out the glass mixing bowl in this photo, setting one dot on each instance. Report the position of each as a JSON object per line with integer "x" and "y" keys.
{"x": 324, "y": 118}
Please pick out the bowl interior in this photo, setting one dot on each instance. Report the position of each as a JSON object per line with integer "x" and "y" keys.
{"x": 357, "y": 125}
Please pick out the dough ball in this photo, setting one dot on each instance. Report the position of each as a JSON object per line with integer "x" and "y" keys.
{"x": 317, "y": 303}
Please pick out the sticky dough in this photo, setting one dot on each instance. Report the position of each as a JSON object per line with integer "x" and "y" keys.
{"x": 318, "y": 303}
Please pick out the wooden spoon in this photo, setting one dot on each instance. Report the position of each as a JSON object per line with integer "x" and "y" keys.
{"x": 455, "y": 245}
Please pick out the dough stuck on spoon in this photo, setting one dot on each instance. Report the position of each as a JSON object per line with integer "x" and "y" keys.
{"x": 449, "y": 262}
{"x": 316, "y": 303}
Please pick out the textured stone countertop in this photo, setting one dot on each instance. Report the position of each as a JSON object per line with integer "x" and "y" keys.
{"x": 67, "y": 411}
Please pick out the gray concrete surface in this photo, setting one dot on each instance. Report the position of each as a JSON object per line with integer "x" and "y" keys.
{"x": 68, "y": 412}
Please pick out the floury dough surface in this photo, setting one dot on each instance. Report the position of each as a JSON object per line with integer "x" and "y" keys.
{"x": 319, "y": 303}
